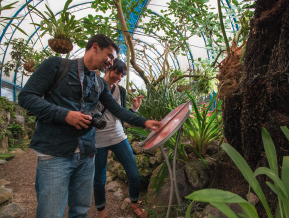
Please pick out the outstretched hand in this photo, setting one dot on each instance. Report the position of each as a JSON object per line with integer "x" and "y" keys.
{"x": 136, "y": 102}
{"x": 153, "y": 125}
{"x": 78, "y": 119}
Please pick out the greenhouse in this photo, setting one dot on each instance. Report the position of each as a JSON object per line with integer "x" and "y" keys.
{"x": 144, "y": 108}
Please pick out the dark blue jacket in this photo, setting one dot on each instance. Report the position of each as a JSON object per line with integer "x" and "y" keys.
{"x": 53, "y": 135}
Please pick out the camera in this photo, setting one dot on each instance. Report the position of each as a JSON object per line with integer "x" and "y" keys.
{"x": 96, "y": 121}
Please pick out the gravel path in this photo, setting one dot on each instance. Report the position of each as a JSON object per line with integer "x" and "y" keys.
{"x": 20, "y": 172}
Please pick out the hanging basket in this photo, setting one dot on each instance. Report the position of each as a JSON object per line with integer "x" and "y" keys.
{"x": 133, "y": 90}
{"x": 62, "y": 46}
{"x": 180, "y": 89}
{"x": 29, "y": 65}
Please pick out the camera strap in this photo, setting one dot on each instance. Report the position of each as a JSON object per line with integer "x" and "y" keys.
{"x": 80, "y": 68}
{"x": 112, "y": 91}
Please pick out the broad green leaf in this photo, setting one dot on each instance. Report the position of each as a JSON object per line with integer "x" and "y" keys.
{"x": 270, "y": 150}
{"x": 270, "y": 173}
{"x": 274, "y": 189}
{"x": 248, "y": 174}
{"x": 225, "y": 209}
{"x": 285, "y": 131}
{"x": 285, "y": 173}
{"x": 215, "y": 196}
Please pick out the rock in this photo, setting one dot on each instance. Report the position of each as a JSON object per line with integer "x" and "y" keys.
{"x": 126, "y": 204}
{"x": 5, "y": 194}
{"x": 4, "y": 144}
{"x": 2, "y": 162}
{"x": 113, "y": 186}
{"x": 5, "y": 119}
{"x": 20, "y": 120}
{"x": 161, "y": 200}
{"x": 214, "y": 147}
{"x": 3, "y": 182}
{"x": 253, "y": 199}
{"x": 136, "y": 148}
{"x": 197, "y": 174}
{"x": 153, "y": 161}
{"x": 184, "y": 187}
{"x": 109, "y": 154}
{"x": 18, "y": 151}
{"x": 11, "y": 210}
{"x": 211, "y": 211}
{"x": 116, "y": 168}
{"x": 142, "y": 161}
{"x": 24, "y": 136}
{"x": 220, "y": 156}
{"x": 118, "y": 194}
{"x": 109, "y": 177}
{"x": 29, "y": 132}
{"x": 159, "y": 156}
{"x": 145, "y": 172}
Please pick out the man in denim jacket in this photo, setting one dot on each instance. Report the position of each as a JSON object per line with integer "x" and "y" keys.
{"x": 64, "y": 141}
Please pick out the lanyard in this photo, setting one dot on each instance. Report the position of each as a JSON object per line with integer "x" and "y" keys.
{"x": 80, "y": 68}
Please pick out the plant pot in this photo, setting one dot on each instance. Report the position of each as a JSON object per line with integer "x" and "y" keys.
{"x": 133, "y": 90}
{"x": 62, "y": 46}
{"x": 180, "y": 89}
{"x": 29, "y": 65}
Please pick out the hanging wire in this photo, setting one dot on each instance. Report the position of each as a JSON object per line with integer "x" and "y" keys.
{"x": 34, "y": 24}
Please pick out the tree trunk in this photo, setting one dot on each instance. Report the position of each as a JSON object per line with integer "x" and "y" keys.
{"x": 262, "y": 100}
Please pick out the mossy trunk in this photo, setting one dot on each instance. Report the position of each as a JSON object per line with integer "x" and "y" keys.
{"x": 262, "y": 100}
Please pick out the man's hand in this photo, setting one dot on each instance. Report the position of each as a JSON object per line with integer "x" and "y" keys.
{"x": 153, "y": 125}
{"x": 78, "y": 120}
{"x": 136, "y": 102}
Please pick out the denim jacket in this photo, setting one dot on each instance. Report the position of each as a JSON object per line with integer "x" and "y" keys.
{"x": 53, "y": 136}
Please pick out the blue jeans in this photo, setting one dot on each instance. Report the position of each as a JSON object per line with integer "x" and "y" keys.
{"x": 58, "y": 178}
{"x": 124, "y": 154}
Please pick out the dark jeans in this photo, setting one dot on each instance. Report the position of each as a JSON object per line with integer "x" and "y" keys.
{"x": 124, "y": 154}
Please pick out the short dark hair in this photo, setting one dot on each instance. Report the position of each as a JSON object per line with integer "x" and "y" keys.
{"x": 103, "y": 42}
{"x": 119, "y": 65}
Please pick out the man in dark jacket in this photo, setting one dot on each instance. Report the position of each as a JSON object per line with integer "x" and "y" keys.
{"x": 64, "y": 140}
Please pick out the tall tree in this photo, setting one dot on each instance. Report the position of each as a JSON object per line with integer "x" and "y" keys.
{"x": 262, "y": 100}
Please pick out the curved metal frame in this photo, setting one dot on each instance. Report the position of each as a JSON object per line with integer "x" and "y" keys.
{"x": 133, "y": 24}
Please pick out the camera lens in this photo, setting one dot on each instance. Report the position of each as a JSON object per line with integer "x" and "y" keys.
{"x": 101, "y": 124}
{"x": 98, "y": 123}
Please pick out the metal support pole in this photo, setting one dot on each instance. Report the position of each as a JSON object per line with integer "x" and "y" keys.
{"x": 174, "y": 165}
{"x": 171, "y": 179}
{"x": 172, "y": 173}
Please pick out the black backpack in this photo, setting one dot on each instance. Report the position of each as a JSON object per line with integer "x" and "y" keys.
{"x": 61, "y": 72}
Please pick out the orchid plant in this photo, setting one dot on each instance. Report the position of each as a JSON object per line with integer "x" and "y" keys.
{"x": 202, "y": 127}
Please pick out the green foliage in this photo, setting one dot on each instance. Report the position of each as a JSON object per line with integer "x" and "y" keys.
{"x": 202, "y": 127}
{"x": 158, "y": 102}
{"x": 6, "y": 105}
{"x": 31, "y": 119}
{"x": 5, "y": 20}
{"x": 16, "y": 129}
{"x": 218, "y": 198}
{"x": 6, "y": 156}
{"x": 21, "y": 53}
{"x": 66, "y": 27}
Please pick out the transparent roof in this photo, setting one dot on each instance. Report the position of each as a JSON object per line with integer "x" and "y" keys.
{"x": 149, "y": 43}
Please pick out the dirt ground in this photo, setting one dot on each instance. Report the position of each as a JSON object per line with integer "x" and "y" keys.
{"x": 20, "y": 172}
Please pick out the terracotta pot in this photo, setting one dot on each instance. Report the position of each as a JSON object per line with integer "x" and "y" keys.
{"x": 62, "y": 46}
{"x": 180, "y": 89}
{"x": 133, "y": 90}
{"x": 29, "y": 65}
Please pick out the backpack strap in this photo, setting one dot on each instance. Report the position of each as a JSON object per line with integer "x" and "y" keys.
{"x": 60, "y": 74}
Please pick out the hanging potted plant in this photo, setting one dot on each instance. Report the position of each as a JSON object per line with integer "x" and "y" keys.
{"x": 64, "y": 30}
{"x": 23, "y": 56}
